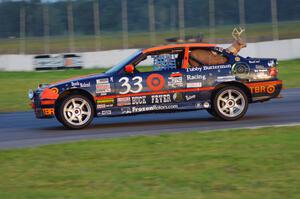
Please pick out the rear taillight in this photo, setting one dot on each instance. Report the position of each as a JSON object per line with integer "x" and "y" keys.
{"x": 273, "y": 71}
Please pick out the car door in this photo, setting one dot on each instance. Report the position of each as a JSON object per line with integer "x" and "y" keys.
{"x": 202, "y": 76}
{"x": 153, "y": 84}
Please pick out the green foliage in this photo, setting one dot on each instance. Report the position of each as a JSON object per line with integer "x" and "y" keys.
{"x": 289, "y": 72}
{"x": 260, "y": 163}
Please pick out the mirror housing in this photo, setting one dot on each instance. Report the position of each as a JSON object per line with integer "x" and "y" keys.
{"x": 129, "y": 68}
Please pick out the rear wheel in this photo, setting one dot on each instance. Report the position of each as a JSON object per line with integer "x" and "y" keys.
{"x": 230, "y": 103}
{"x": 75, "y": 112}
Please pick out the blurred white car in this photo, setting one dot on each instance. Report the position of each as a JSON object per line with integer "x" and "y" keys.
{"x": 65, "y": 61}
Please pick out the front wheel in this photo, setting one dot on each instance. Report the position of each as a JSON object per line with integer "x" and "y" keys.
{"x": 75, "y": 112}
{"x": 230, "y": 103}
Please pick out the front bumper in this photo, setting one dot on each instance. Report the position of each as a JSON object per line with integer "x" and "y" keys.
{"x": 43, "y": 108}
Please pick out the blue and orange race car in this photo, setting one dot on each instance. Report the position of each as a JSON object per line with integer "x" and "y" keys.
{"x": 162, "y": 79}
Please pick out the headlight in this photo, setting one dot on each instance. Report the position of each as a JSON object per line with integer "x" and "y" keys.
{"x": 30, "y": 94}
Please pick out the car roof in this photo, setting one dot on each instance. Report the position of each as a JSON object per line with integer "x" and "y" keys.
{"x": 171, "y": 46}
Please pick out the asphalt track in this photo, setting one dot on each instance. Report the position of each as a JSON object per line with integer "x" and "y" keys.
{"x": 23, "y": 130}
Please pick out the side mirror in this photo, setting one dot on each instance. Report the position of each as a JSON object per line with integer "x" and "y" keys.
{"x": 129, "y": 68}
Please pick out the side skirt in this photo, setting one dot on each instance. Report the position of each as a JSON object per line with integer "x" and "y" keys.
{"x": 156, "y": 108}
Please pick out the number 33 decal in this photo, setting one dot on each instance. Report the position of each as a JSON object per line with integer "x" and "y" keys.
{"x": 137, "y": 83}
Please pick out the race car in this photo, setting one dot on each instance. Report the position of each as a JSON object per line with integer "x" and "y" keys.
{"x": 162, "y": 79}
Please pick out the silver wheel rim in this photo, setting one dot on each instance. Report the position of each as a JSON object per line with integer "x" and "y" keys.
{"x": 231, "y": 103}
{"x": 77, "y": 111}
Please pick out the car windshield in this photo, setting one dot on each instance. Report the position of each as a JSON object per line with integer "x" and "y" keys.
{"x": 119, "y": 66}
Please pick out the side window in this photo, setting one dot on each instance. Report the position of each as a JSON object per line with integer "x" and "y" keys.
{"x": 161, "y": 61}
{"x": 201, "y": 56}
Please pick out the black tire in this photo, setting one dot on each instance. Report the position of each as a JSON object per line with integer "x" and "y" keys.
{"x": 229, "y": 108}
{"x": 68, "y": 118}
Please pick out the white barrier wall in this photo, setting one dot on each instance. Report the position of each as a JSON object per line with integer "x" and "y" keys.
{"x": 16, "y": 62}
{"x": 105, "y": 59}
{"x": 282, "y": 50}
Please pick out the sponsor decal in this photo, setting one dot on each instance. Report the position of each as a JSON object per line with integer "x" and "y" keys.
{"x": 260, "y": 67}
{"x": 138, "y": 100}
{"x": 155, "y": 82}
{"x": 225, "y": 78}
{"x": 270, "y": 89}
{"x": 207, "y": 88}
{"x": 177, "y": 97}
{"x": 105, "y": 101}
{"x": 195, "y": 77}
{"x": 261, "y": 74}
{"x": 103, "y": 86}
{"x": 190, "y": 97}
{"x": 237, "y": 59}
{"x": 153, "y": 108}
{"x": 254, "y": 61}
{"x": 193, "y": 84}
{"x": 102, "y": 81}
{"x": 216, "y": 67}
{"x": 124, "y": 101}
{"x": 85, "y": 85}
{"x": 103, "y": 89}
{"x": 54, "y": 90}
{"x": 176, "y": 74}
{"x": 164, "y": 61}
{"x": 106, "y": 112}
{"x": 136, "y": 86}
{"x": 81, "y": 84}
{"x": 48, "y": 111}
{"x": 194, "y": 69}
{"x": 204, "y": 68}
{"x": 101, "y": 106}
{"x": 271, "y": 63}
{"x": 175, "y": 80}
{"x": 260, "y": 70}
{"x": 158, "y": 99}
{"x": 126, "y": 110}
{"x": 241, "y": 68}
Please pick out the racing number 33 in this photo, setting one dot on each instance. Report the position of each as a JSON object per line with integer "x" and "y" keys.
{"x": 137, "y": 83}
